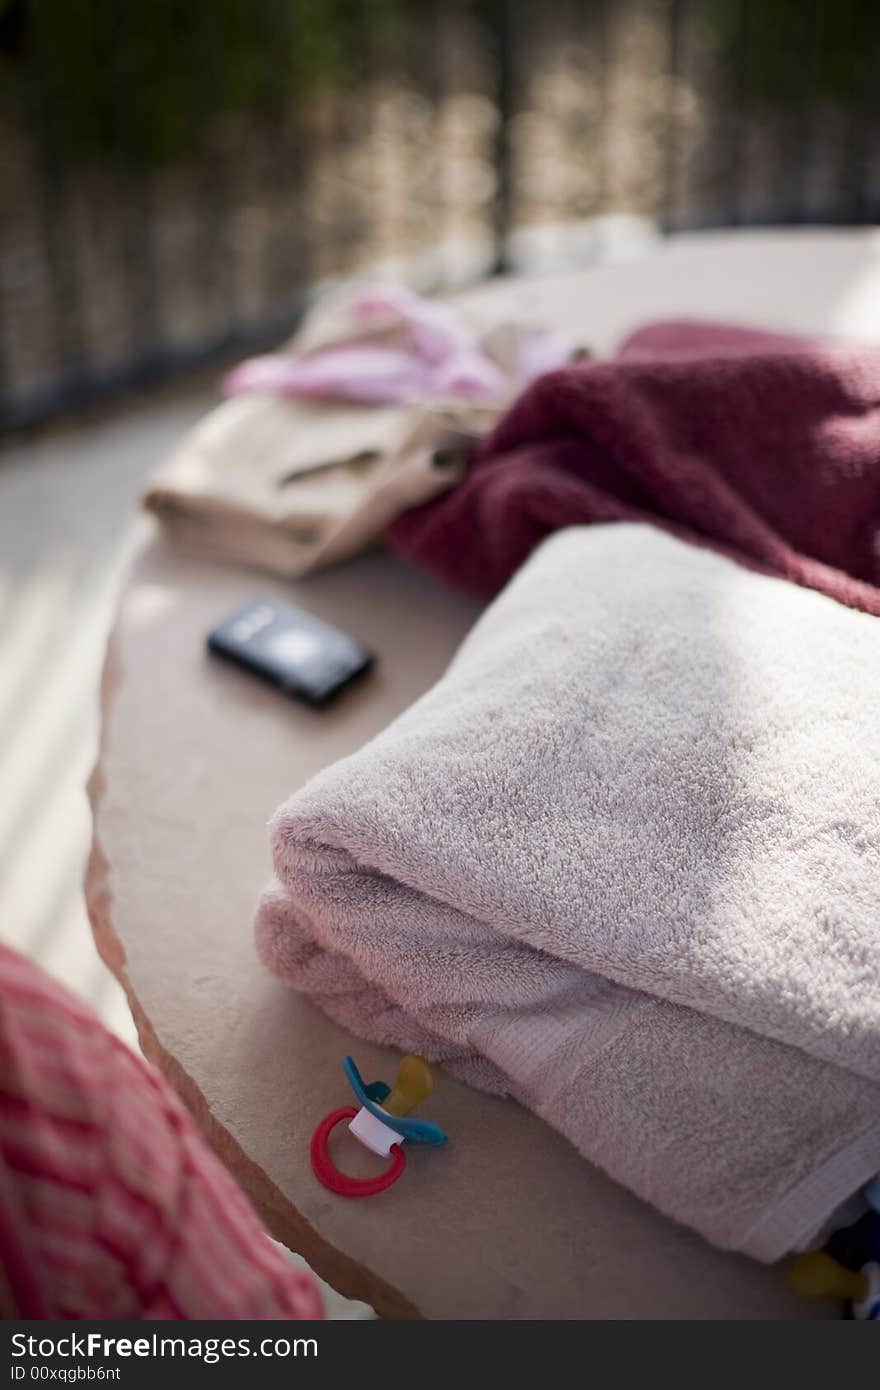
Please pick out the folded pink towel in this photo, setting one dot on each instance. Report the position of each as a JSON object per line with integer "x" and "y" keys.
{"x": 765, "y": 446}
{"x": 623, "y": 863}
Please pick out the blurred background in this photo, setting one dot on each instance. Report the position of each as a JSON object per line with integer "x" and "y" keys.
{"x": 179, "y": 177}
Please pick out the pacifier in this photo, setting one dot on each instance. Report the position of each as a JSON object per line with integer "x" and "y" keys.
{"x": 818, "y": 1275}
{"x": 849, "y": 1266}
{"x": 382, "y": 1125}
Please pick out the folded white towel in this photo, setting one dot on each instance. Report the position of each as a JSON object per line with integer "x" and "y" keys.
{"x": 623, "y": 863}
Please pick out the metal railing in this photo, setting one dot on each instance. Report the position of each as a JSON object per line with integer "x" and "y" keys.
{"x": 176, "y": 175}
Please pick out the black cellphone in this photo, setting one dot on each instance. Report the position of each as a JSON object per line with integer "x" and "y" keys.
{"x": 290, "y": 648}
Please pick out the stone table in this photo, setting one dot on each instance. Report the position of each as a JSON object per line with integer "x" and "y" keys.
{"x": 507, "y": 1222}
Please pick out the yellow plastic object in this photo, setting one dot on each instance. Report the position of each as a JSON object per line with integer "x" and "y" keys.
{"x": 414, "y": 1081}
{"x": 817, "y": 1275}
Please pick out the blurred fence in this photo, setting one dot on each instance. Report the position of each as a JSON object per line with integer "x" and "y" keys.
{"x": 176, "y": 174}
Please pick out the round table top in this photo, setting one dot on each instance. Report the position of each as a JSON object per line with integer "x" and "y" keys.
{"x": 508, "y": 1221}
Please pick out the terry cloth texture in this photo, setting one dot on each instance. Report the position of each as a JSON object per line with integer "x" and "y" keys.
{"x": 763, "y": 446}
{"x": 623, "y": 863}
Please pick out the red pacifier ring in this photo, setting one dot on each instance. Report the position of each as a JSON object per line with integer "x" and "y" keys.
{"x": 325, "y": 1169}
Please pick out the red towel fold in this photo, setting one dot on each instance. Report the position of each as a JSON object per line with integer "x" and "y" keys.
{"x": 763, "y": 446}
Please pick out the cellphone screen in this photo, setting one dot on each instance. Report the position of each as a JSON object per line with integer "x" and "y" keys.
{"x": 291, "y": 648}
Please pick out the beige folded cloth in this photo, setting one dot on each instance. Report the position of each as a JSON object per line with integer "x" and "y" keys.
{"x": 292, "y": 485}
{"x": 623, "y": 863}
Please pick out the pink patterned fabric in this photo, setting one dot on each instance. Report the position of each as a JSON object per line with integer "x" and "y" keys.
{"x": 762, "y": 446}
{"x": 111, "y": 1203}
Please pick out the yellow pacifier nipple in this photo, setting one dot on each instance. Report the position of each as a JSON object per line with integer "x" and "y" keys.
{"x": 414, "y": 1082}
{"x": 817, "y": 1275}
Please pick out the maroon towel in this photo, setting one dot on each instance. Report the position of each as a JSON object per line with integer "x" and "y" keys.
{"x": 762, "y": 446}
